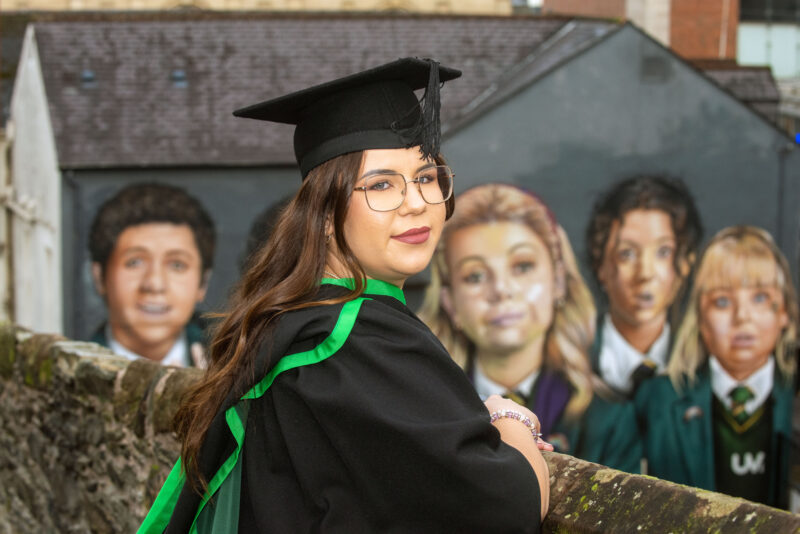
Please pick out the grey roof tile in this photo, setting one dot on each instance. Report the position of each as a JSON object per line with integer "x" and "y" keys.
{"x": 748, "y": 84}
{"x": 135, "y": 115}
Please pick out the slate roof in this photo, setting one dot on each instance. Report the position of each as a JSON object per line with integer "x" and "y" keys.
{"x": 753, "y": 86}
{"x": 748, "y": 84}
{"x": 117, "y": 98}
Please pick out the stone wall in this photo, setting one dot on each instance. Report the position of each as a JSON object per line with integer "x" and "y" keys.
{"x": 85, "y": 444}
{"x": 84, "y": 435}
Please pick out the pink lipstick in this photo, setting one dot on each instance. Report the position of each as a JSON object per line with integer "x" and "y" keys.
{"x": 415, "y": 236}
{"x": 743, "y": 341}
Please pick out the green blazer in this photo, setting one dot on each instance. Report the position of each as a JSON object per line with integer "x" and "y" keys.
{"x": 677, "y": 432}
{"x": 606, "y": 434}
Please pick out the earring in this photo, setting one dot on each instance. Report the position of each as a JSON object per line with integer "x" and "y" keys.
{"x": 327, "y": 239}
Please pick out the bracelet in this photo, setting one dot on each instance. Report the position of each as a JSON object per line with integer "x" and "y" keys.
{"x": 524, "y": 419}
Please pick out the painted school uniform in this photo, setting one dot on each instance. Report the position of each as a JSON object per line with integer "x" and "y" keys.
{"x": 188, "y": 350}
{"x": 360, "y": 422}
{"x": 682, "y": 431}
{"x": 619, "y": 364}
{"x": 606, "y": 433}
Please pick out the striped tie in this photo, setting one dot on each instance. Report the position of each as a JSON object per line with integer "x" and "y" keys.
{"x": 739, "y": 396}
{"x": 516, "y": 396}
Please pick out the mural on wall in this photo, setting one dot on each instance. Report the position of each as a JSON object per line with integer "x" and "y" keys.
{"x": 508, "y": 301}
{"x": 152, "y": 251}
{"x": 721, "y": 419}
{"x": 641, "y": 240}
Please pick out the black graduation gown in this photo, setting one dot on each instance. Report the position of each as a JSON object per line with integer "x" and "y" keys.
{"x": 365, "y": 424}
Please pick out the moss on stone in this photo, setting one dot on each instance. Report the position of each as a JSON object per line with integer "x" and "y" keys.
{"x": 133, "y": 394}
{"x": 168, "y": 395}
{"x": 95, "y": 380}
{"x": 8, "y": 344}
{"x": 36, "y": 359}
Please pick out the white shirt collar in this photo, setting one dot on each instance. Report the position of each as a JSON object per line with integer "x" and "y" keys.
{"x": 486, "y": 387}
{"x": 176, "y": 355}
{"x": 760, "y": 383}
{"x": 619, "y": 359}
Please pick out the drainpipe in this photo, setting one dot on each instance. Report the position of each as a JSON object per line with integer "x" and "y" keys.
{"x": 783, "y": 154}
{"x": 723, "y": 31}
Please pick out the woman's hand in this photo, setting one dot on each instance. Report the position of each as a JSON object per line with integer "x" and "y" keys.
{"x": 496, "y": 403}
{"x": 518, "y": 435}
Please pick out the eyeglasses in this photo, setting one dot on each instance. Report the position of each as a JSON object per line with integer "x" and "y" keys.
{"x": 387, "y": 191}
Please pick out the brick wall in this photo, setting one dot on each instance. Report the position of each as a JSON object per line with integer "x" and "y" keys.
{"x": 704, "y": 28}
{"x": 85, "y": 445}
{"x": 593, "y": 8}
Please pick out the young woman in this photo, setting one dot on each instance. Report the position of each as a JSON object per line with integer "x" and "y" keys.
{"x": 508, "y": 302}
{"x": 328, "y": 406}
{"x": 722, "y": 419}
{"x": 642, "y": 240}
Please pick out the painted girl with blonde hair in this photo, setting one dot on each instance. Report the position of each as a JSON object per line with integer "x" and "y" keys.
{"x": 721, "y": 418}
{"x": 509, "y": 304}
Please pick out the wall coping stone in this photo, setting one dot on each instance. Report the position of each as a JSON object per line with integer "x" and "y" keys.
{"x": 112, "y": 446}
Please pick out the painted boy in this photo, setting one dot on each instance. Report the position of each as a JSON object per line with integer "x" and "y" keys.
{"x": 152, "y": 249}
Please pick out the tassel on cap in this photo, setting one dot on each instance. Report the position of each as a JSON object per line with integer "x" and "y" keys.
{"x": 426, "y": 131}
{"x": 431, "y": 127}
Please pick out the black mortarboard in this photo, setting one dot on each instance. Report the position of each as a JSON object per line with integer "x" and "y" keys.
{"x": 376, "y": 108}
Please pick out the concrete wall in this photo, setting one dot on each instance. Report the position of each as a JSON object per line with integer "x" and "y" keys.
{"x": 85, "y": 445}
{"x": 34, "y": 201}
{"x": 629, "y": 106}
{"x": 5, "y": 251}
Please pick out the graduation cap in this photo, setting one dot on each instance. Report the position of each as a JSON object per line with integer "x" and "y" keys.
{"x": 375, "y": 108}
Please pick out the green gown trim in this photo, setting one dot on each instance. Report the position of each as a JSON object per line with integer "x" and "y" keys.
{"x": 236, "y": 418}
{"x": 373, "y": 287}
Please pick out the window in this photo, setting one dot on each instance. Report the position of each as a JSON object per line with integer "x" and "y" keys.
{"x": 88, "y": 79}
{"x": 178, "y": 78}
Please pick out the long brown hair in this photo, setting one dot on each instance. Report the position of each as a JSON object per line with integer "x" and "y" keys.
{"x": 282, "y": 277}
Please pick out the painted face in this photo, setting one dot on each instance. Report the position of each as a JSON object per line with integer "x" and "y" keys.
{"x": 638, "y": 271}
{"x": 502, "y": 285}
{"x": 741, "y": 326}
{"x": 393, "y": 245}
{"x": 152, "y": 282}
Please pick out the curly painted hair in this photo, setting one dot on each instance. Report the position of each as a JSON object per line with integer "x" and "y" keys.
{"x": 150, "y": 203}
{"x": 669, "y": 195}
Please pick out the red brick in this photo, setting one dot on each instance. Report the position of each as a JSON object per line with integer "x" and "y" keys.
{"x": 696, "y": 28}
{"x": 595, "y": 8}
